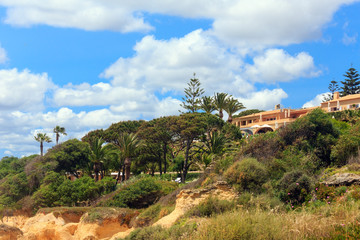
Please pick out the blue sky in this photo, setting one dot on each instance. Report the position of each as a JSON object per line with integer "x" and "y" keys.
{"x": 84, "y": 64}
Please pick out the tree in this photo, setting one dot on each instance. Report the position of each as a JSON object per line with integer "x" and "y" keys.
{"x": 59, "y": 130}
{"x": 333, "y": 87}
{"x": 232, "y": 106}
{"x": 42, "y": 137}
{"x": 98, "y": 154}
{"x": 128, "y": 144}
{"x": 192, "y": 101}
{"x": 188, "y": 129}
{"x": 157, "y": 136}
{"x": 71, "y": 156}
{"x": 351, "y": 84}
{"x": 207, "y": 104}
{"x": 220, "y": 102}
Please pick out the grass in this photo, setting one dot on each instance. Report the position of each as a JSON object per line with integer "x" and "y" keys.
{"x": 316, "y": 221}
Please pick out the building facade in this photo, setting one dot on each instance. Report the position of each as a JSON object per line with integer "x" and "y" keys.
{"x": 272, "y": 120}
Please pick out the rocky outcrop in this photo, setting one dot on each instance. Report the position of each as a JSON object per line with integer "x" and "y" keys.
{"x": 104, "y": 223}
{"x": 342, "y": 179}
{"x": 188, "y": 198}
{"x": 9, "y": 233}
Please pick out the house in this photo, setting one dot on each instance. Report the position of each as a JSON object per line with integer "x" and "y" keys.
{"x": 272, "y": 120}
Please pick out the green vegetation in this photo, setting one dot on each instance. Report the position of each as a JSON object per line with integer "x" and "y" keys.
{"x": 277, "y": 175}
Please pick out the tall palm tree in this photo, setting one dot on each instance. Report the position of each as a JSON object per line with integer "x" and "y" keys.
{"x": 232, "y": 106}
{"x": 98, "y": 154}
{"x": 41, "y": 138}
{"x": 59, "y": 130}
{"x": 128, "y": 144}
{"x": 220, "y": 102}
{"x": 207, "y": 104}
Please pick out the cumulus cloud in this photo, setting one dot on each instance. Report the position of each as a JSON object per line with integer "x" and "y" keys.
{"x": 3, "y": 55}
{"x": 263, "y": 100}
{"x": 23, "y": 90}
{"x": 160, "y": 65}
{"x": 275, "y": 65}
{"x": 316, "y": 101}
{"x": 238, "y": 22}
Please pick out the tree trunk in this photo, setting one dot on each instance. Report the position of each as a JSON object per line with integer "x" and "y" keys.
{"x": 221, "y": 115}
{"x": 96, "y": 171}
{"x": 165, "y": 152}
{"x": 229, "y": 119}
{"x": 41, "y": 149}
{"x": 186, "y": 161}
{"x": 160, "y": 166}
{"x": 123, "y": 173}
{"x": 57, "y": 138}
{"x": 127, "y": 168}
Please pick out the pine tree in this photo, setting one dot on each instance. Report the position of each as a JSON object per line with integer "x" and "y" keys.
{"x": 192, "y": 101}
{"x": 333, "y": 87}
{"x": 351, "y": 84}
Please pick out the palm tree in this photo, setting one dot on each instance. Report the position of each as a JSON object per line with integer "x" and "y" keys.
{"x": 98, "y": 154}
{"x": 220, "y": 102}
{"x": 59, "y": 130}
{"x": 128, "y": 144}
{"x": 207, "y": 104}
{"x": 41, "y": 138}
{"x": 232, "y": 106}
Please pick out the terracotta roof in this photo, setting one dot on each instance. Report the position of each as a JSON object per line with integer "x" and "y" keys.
{"x": 348, "y": 97}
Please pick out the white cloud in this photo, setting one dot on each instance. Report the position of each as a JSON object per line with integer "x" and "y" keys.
{"x": 3, "y": 55}
{"x": 23, "y": 90}
{"x": 82, "y": 14}
{"x": 263, "y": 100}
{"x": 278, "y": 66}
{"x": 347, "y": 40}
{"x": 316, "y": 101}
{"x": 168, "y": 65}
{"x": 238, "y": 22}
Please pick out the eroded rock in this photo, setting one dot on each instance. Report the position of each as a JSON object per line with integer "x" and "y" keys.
{"x": 9, "y": 232}
{"x": 342, "y": 179}
{"x": 189, "y": 198}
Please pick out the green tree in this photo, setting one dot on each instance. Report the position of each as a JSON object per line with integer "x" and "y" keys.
{"x": 232, "y": 106}
{"x": 99, "y": 154}
{"x": 71, "y": 156}
{"x": 192, "y": 100}
{"x": 128, "y": 145}
{"x": 41, "y": 138}
{"x": 351, "y": 84}
{"x": 333, "y": 87}
{"x": 158, "y": 137}
{"x": 59, "y": 130}
{"x": 189, "y": 129}
{"x": 220, "y": 100}
{"x": 207, "y": 104}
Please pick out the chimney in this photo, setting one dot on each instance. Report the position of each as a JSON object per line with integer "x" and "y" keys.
{"x": 336, "y": 95}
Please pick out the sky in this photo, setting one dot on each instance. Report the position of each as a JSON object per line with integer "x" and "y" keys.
{"x": 85, "y": 64}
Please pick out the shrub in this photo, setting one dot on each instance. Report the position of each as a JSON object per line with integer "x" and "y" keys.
{"x": 295, "y": 188}
{"x": 140, "y": 194}
{"x": 247, "y": 175}
{"x": 210, "y": 207}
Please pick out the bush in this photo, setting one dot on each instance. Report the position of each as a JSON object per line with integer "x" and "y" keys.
{"x": 210, "y": 207}
{"x": 140, "y": 194}
{"x": 247, "y": 175}
{"x": 295, "y": 188}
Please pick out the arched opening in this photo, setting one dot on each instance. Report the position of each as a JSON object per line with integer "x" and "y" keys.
{"x": 264, "y": 130}
{"x": 247, "y": 131}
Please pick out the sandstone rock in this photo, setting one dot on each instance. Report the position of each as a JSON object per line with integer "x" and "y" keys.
{"x": 188, "y": 198}
{"x": 342, "y": 179}
{"x": 9, "y": 233}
